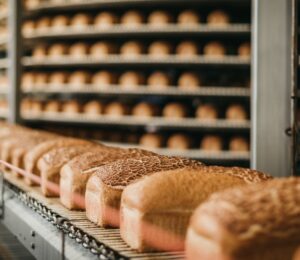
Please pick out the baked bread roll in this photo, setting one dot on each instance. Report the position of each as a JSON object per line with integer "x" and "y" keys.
{"x": 25, "y": 106}
{"x": 188, "y": 17}
{"x": 102, "y": 79}
{"x": 80, "y": 21}
{"x": 155, "y": 211}
{"x": 187, "y": 49}
{"x": 214, "y": 49}
{"x": 179, "y": 142}
{"x": 105, "y": 20}
{"x": 28, "y": 80}
{"x": 159, "y": 49}
{"x": 3, "y": 81}
{"x": 31, "y": 4}
{"x": 104, "y": 188}
{"x": 79, "y": 50}
{"x": 36, "y": 107}
{"x": 158, "y": 80}
{"x": 93, "y": 108}
{"x": 71, "y": 107}
{"x": 131, "y": 49}
{"x": 58, "y": 78}
{"x": 211, "y": 143}
{"x": 244, "y": 50}
{"x": 231, "y": 224}
{"x": 218, "y": 18}
{"x": 102, "y": 49}
{"x": 79, "y": 78}
{"x": 238, "y": 144}
{"x": 132, "y": 18}
{"x": 131, "y": 80}
{"x": 175, "y": 110}
{"x": 189, "y": 81}
{"x": 145, "y": 109}
{"x": 39, "y": 51}
{"x": 43, "y": 24}
{"x": 116, "y": 109}
{"x": 206, "y": 112}
{"x": 51, "y": 163}
{"x": 75, "y": 174}
{"x": 159, "y": 18}
{"x": 52, "y": 106}
{"x": 31, "y": 157}
{"x": 41, "y": 78}
{"x": 151, "y": 140}
{"x": 58, "y": 50}
{"x": 236, "y": 112}
{"x": 4, "y": 105}
{"x": 28, "y": 27}
{"x": 60, "y": 22}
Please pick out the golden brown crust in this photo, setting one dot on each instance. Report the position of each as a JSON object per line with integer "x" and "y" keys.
{"x": 259, "y": 216}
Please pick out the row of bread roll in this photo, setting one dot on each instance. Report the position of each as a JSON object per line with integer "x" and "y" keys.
{"x": 133, "y": 49}
{"x": 144, "y": 110}
{"x": 114, "y": 193}
{"x": 212, "y": 143}
{"x": 105, "y": 20}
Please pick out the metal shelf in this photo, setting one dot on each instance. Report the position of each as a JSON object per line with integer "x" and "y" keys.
{"x": 112, "y": 90}
{"x": 143, "y": 60}
{"x": 143, "y": 30}
{"x": 88, "y": 4}
{"x": 159, "y": 122}
{"x": 3, "y": 63}
{"x": 192, "y": 153}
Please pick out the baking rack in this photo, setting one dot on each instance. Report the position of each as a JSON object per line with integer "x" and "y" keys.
{"x": 104, "y": 243}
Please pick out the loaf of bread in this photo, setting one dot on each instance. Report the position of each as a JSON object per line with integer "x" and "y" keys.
{"x": 151, "y": 140}
{"x": 159, "y": 18}
{"x": 102, "y": 79}
{"x": 218, "y": 18}
{"x": 31, "y": 157}
{"x": 39, "y": 51}
{"x": 244, "y": 50}
{"x": 104, "y": 20}
{"x": 214, "y": 49}
{"x": 187, "y": 49}
{"x": 28, "y": 80}
{"x": 206, "y": 112}
{"x": 43, "y": 23}
{"x": 131, "y": 49}
{"x": 158, "y": 80}
{"x": 116, "y": 109}
{"x": 132, "y": 18}
{"x": 145, "y": 109}
{"x": 159, "y": 49}
{"x": 59, "y": 22}
{"x": 102, "y": 49}
{"x": 79, "y": 50}
{"x": 131, "y": 80}
{"x": 58, "y": 50}
{"x": 75, "y": 174}
{"x": 28, "y": 27}
{"x": 80, "y": 21}
{"x": 188, "y": 17}
{"x": 58, "y": 78}
{"x": 189, "y": 81}
{"x": 105, "y": 187}
{"x": 179, "y": 142}
{"x": 238, "y": 144}
{"x": 253, "y": 222}
{"x": 52, "y": 106}
{"x": 37, "y": 107}
{"x": 93, "y": 108}
{"x": 41, "y": 78}
{"x": 50, "y": 164}
{"x": 175, "y": 110}
{"x": 155, "y": 211}
{"x": 212, "y": 143}
{"x": 79, "y": 78}
{"x": 71, "y": 107}
{"x": 236, "y": 112}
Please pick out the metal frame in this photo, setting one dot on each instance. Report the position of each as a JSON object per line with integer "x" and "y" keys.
{"x": 272, "y": 38}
